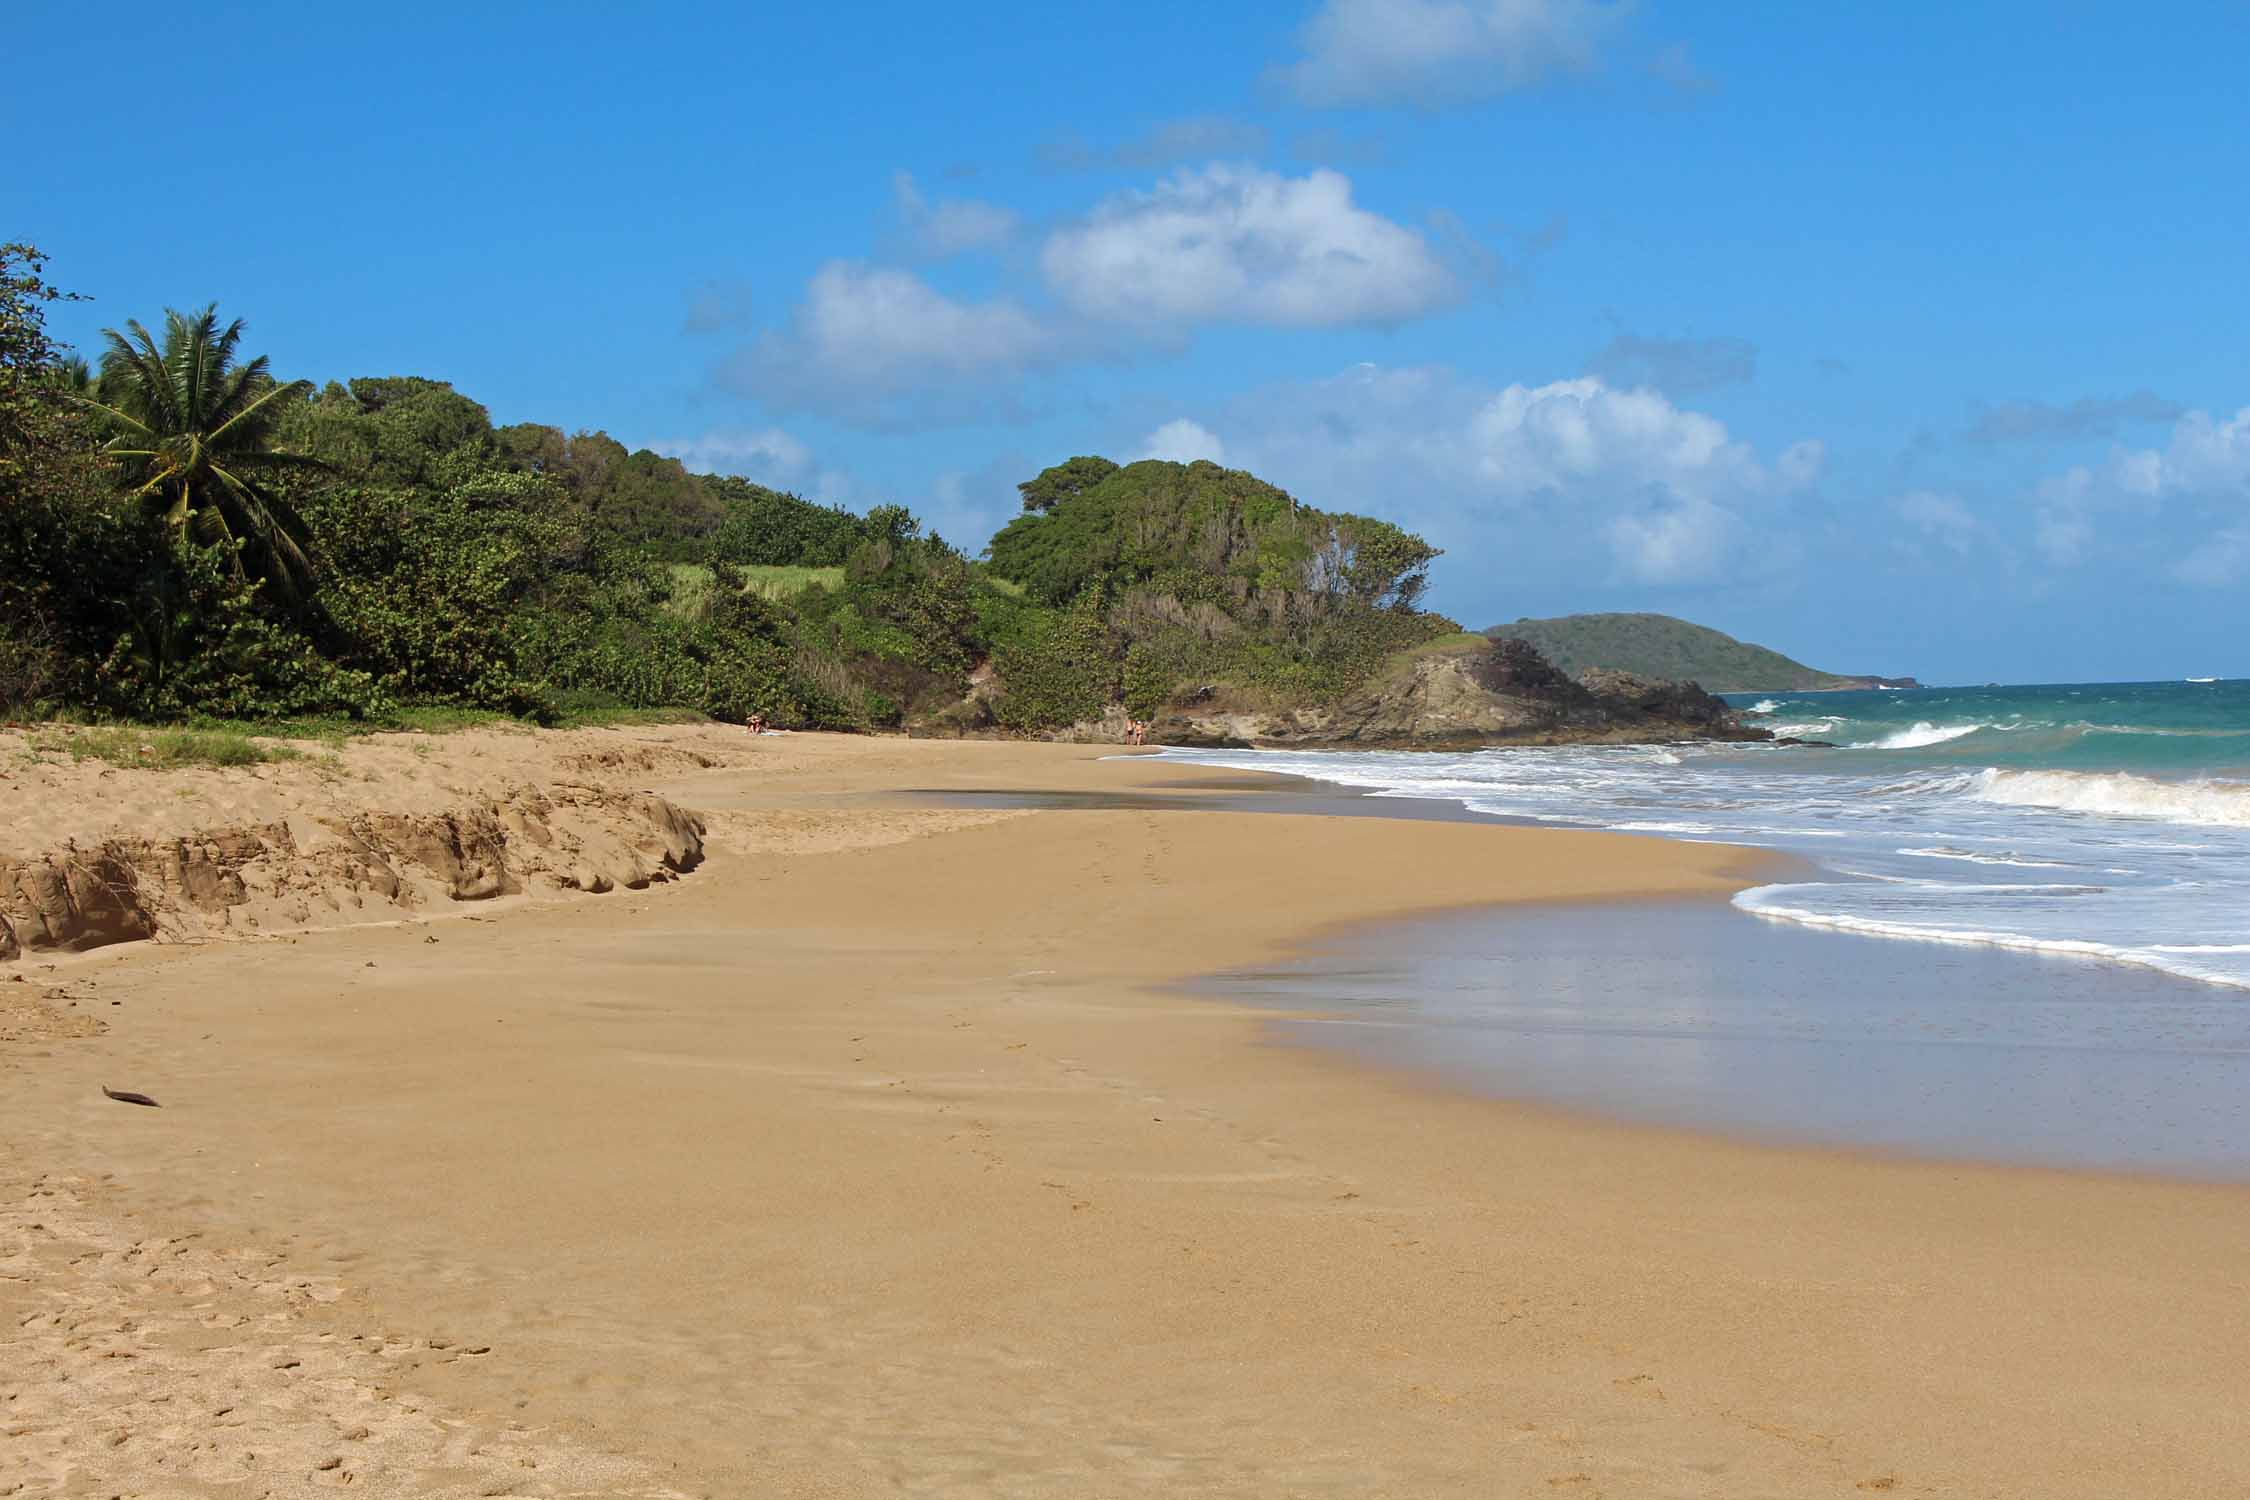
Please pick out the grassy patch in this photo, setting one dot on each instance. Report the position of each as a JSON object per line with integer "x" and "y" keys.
{"x": 691, "y": 584}
{"x": 160, "y": 749}
{"x": 787, "y": 583}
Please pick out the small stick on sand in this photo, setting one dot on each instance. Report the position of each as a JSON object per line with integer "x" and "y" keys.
{"x": 123, "y": 1096}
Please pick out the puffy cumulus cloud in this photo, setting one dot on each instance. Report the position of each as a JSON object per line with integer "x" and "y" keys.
{"x": 950, "y": 226}
{"x": 1183, "y": 441}
{"x": 2202, "y": 472}
{"x": 1676, "y": 478}
{"x": 1572, "y": 433}
{"x": 1680, "y": 367}
{"x": 1684, "y": 542}
{"x": 1424, "y": 53}
{"x": 2208, "y": 454}
{"x": 883, "y": 347}
{"x": 1572, "y": 473}
{"x": 1237, "y": 244}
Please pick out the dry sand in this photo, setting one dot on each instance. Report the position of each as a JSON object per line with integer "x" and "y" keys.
{"x": 872, "y": 1164}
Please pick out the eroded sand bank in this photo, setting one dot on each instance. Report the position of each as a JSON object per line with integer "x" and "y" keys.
{"x": 868, "y": 1163}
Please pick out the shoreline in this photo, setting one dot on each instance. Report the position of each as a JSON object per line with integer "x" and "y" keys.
{"x": 892, "y": 1167}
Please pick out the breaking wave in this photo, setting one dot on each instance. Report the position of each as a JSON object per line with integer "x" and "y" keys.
{"x": 1923, "y": 734}
{"x": 2119, "y": 794}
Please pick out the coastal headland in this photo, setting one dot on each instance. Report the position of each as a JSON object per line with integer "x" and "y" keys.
{"x": 876, "y": 1151}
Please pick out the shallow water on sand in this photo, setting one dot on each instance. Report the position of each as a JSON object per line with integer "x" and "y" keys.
{"x": 1694, "y": 1014}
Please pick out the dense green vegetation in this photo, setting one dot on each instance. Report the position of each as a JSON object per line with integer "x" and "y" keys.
{"x": 1662, "y": 646}
{"x": 187, "y": 536}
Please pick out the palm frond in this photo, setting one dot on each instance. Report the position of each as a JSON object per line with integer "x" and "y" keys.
{"x": 247, "y": 419}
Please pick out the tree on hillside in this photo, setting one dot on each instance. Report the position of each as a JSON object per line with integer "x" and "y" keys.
{"x": 192, "y": 434}
{"x": 1063, "y": 480}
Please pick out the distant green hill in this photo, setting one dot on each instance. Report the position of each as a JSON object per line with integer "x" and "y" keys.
{"x": 1661, "y": 646}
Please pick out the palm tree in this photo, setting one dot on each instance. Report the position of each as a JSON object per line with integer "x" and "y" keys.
{"x": 72, "y": 374}
{"x": 193, "y": 435}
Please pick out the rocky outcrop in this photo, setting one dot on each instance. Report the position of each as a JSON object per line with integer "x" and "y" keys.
{"x": 69, "y": 901}
{"x": 1468, "y": 693}
{"x": 307, "y": 872}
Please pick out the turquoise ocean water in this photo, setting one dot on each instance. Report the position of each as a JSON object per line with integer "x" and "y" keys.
{"x": 2104, "y": 821}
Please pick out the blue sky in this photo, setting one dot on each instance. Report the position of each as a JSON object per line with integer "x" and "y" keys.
{"x": 1902, "y": 338}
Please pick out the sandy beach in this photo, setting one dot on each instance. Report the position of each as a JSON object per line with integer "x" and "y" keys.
{"x": 879, "y": 1154}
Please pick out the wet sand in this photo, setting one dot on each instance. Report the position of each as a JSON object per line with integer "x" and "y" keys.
{"x": 1695, "y": 1014}
{"x": 889, "y": 1168}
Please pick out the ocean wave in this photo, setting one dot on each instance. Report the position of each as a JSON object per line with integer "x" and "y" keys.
{"x": 2224, "y": 804}
{"x": 1763, "y": 901}
{"x": 1762, "y": 706}
{"x": 1810, "y": 729}
{"x": 1922, "y": 734}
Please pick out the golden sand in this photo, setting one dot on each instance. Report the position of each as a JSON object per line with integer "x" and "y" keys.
{"x": 868, "y": 1160}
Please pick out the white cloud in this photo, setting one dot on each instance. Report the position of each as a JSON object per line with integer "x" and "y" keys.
{"x": 2208, "y": 454}
{"x": 1572, "y": 433}
{"x": 2206, "y": 463}
{"x": 866, "y": 340}
{"x": 951, "y": 226}
{"x": 1570, "y": 473}
{"x": 1941, "y": 518}
{"x": 1236, "y": 244}
{"x": 1183, "y": 441}
{"x": 1428, "y": 52}
{"x": 1681, "y": 542}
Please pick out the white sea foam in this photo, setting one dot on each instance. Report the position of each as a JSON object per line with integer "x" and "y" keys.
{"x": 1884, "y": 834}
{"x": 1923, "y": 733}
{"x": 1763, "y": 706}
{"x": 2224, "y": 804}
{"x": 1766, "y": 901}
{"x": 1975, "y": 858}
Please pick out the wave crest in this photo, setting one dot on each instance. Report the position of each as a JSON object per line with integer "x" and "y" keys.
{"x": 2224, "y": 804}
{"x": 1923, "y": 733}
